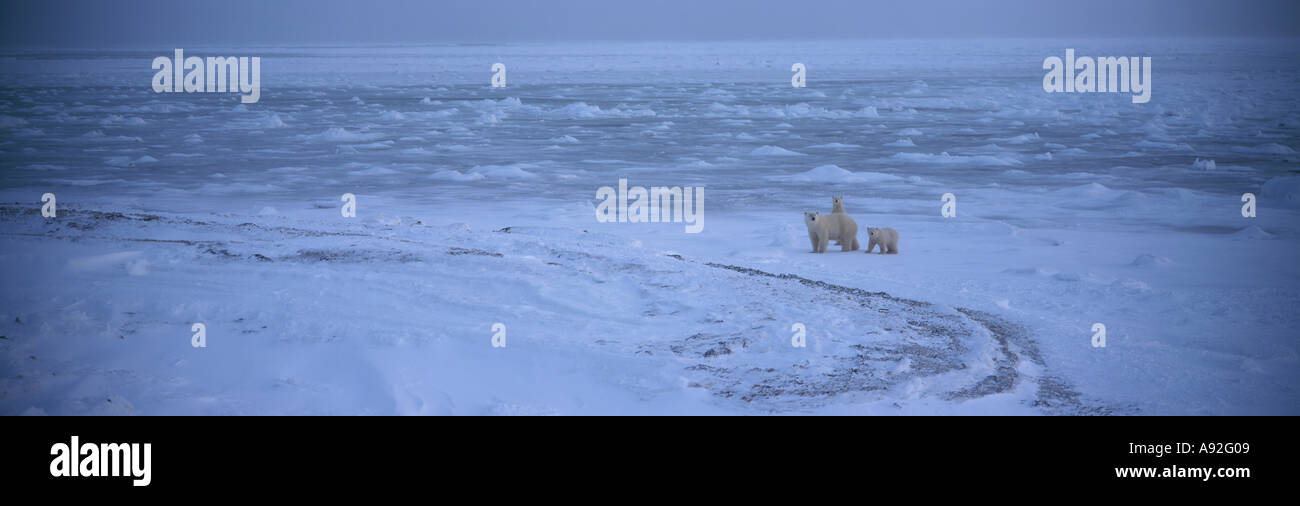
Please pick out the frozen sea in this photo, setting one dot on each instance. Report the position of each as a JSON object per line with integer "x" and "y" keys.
{"x": 476, "y": 206}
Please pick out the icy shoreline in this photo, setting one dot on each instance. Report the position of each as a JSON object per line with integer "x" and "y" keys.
{"x": 395, "y": 316}
{"x": 121, "y": 344}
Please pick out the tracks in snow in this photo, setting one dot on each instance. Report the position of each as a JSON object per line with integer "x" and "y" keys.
{"x": 725, "y": 327}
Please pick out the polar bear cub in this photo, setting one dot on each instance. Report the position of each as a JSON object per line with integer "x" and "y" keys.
{"x": 837, "y": 207}
{"x": 886, "y": 237}
{"x": 822, "y": 229}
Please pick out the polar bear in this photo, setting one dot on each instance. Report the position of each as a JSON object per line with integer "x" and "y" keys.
{"x": 886, "y": 237}
{"x": 835, "y": 226}
{"x": 837, "y": 207}
{"x": 837, "y": 204}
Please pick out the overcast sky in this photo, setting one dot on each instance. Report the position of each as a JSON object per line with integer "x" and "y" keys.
{"x": 92, "y": 23}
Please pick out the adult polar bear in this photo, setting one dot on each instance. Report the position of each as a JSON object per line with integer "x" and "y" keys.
{"x": 837, "y": 226}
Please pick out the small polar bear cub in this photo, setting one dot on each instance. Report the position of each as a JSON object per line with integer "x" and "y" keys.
{"x": 822, "y": 229}
{"x": 886, "y": 237}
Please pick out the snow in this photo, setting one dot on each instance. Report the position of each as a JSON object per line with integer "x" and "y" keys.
{"x": 1271, "y": 148}
{"x": 773, "y": 151}
{"x": 835, "y": 174}
{"x": 1282, "y": 191}
{"x": 476, "y": 206}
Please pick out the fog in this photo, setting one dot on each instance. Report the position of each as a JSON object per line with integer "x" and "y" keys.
{"x": 89, "y": 23}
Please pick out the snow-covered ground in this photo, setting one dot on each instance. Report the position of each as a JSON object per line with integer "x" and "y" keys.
{"x": 476, "y": 206}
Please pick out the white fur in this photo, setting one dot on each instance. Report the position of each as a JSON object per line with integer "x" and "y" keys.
{"x": 831, "y": 227}
{"x": 886, "y": 237}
